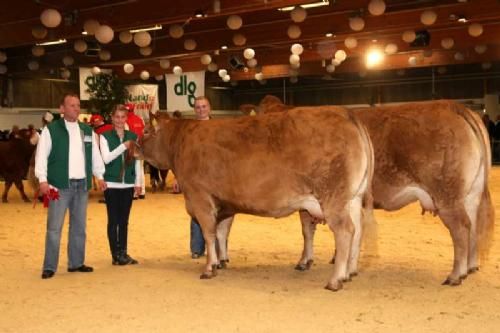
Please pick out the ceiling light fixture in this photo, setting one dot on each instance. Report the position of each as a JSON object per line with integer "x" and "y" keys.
{"x": 462, "y": 19}
{"x": 223, "y": 47}
{"x": 155, "y": 27}
{"x": 199, "y": 13}
{"x": 307, "y": 5}
{"x": 54, "y": 42}
{"x": 374, "y": 57}
{"x": 329, "y": 34}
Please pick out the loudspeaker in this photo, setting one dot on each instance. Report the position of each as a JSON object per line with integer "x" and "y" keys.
{"x": 93, "y": 49}
{"x": 423, "y": 38}
{"x": 236, "y": 63}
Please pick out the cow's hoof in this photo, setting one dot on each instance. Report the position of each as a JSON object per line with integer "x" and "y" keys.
{"x": 222, "y": 264}
{"x": 452, "y": 282}
{"x": 208, "y": 275}
{"x": 334, "y": 286}
{"x": 333, "y": 260}
{"x": 304, "y": 267}
{"x": 472, "y": 270}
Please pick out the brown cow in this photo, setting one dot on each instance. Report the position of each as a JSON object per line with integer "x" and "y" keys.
{"x": 313, "y": 159}
{"x": 15, "y": 159}
{"x": 437, "y": 153}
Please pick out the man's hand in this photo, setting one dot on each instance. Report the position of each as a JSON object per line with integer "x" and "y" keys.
{"x": 44, "y": 188}
{"x": 137, "y": 190}
{"x": 101, "y": 185}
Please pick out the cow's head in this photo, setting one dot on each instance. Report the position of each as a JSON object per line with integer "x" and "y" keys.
{"x": 152, "y": 145}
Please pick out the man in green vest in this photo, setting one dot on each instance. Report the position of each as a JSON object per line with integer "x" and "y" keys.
{"x": 67, "y": 155}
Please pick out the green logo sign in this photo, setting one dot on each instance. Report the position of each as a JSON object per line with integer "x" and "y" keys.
{"x": 183, "y": 88}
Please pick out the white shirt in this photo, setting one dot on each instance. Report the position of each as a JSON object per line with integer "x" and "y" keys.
{"x": 76, "y": 167}
{"x": 109, "y": 156}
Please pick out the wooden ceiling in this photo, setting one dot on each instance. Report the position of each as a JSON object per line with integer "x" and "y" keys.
{"x": 265, "y": 28}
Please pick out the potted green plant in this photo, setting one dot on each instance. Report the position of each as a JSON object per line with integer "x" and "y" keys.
{"x": 105, "y": 91}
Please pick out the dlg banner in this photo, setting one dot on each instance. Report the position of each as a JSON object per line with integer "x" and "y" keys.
{"x": 145, "y": 98}
{"x": 183, "y": 89}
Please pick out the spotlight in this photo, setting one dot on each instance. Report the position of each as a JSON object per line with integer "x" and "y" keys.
{"x": 199, "y": 13}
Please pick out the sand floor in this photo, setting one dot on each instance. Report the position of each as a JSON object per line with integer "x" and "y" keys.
{"x": 398, "y": 290}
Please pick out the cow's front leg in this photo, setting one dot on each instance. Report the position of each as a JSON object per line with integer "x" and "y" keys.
{"x": 8, "y": 184}
{"x": 223, "y": 229}
{"x": 308, "y": 229}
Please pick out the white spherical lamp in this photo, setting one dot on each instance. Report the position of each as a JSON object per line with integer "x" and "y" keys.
{"x": 80, "y": 46}
{"x": 447, "y": 43}
{"x": 104, "y": 55}
{"x": 412, "y": 61}
{"x": 128, "y": 68}
{"x": 91, "y": 26}
{"x": 39, "y": 32}
{"x": 104, "y": 34}
{"x": 486, "y": 65}
{"x": 428, "y": 17}
{"x": 176, "y": 31}
{"x": 50, "y": 18}
{"x": 409, "y": 36}
{"x": 177, "y": 70}
{"x": 159, "y": 77}
{"x": 356, "y": 23}
{"x": 239, "y": 39}
{"x": 248, "y": 53}
{"x": 480, "y": 49}
{"x": 38, "y": 51}
{"x": 144, "y": 75}
{"x": 190, "y": 44}
{"x": 146, "y": 51}
{"x": 234, "y": 22}
{"x": 340, "y": 55}
{"x": 294, "y": 59}
{"x": 125, "y": 37}
{"x": 475, "y": 30}
{"x": 164, "y": 63}
{"x": 351, "y": 42}
{"x": 297, "y": 49}
{"x": 68, "y": 60}
{"x": 330, "y": 68}
{"x": 252, "y": 62}
{"x": 459, "y": 56}
{"x": 212, "y": 67}
{"x": 226, "y": 78}
{"x": 376, "y": 7}
{"x": 3, "y": 56}
{"x": 222, "y": 72}
{"x": 95, "y": 70}
{"x": 298, "y": 14}
{"x": 391, "y": 48}
{"x": 142, "y": 39}
{"x": 294, "y": 31}
{"x": 65, "y": 74}
{"x": 336, "y": 62}
{"x": 205, "y": 59}
{"x": 33, "y": 65}
{"x": 259, "y": 76}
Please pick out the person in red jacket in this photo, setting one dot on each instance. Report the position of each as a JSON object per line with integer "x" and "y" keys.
{"x": 97, "y": 122}
{"x": 136, "y": 125}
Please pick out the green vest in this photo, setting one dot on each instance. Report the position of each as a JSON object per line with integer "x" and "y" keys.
{"x": 58, "y": 160}
{"x": 114, "y": 172}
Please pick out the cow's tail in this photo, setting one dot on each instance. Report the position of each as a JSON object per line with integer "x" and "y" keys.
{"x": 368, "y": 219}
{"x": 485, "y": 218}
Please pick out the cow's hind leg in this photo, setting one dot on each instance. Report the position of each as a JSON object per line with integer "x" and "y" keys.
{"x": 208, "y": 227}
{"x": 20, "y": 187}
{"x": 343, "y": 230}
{"x": 308, "y": 229}
{"x": 355, "y": 214}
{"x": 457, "y": 222}
{"x": 8, "y": 184}
{"x": 223, "y": 229}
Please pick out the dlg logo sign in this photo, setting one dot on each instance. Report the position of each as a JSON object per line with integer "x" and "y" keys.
{"x": 185, "y": 88}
